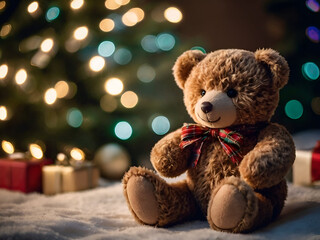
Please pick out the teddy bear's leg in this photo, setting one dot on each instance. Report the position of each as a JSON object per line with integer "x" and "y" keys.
{"x": 152, "y": 201}
{"x": 236, "y": 207}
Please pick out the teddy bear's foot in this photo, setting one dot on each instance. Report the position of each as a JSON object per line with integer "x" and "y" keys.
{"x": 233, "y": 206}
{"x": 152, "y": 201}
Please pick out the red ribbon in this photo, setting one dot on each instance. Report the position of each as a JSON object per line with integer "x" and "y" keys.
{"x": 315, "y": 163}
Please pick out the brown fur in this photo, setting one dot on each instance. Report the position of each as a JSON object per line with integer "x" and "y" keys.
{"x": 268, "y": 155}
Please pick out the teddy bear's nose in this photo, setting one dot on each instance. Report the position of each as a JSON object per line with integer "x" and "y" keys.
{"x": 206, "y": 107}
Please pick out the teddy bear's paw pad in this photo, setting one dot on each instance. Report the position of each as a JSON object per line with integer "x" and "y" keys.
{"x": 227, "y": 208}
{"x": 142, "y": 199}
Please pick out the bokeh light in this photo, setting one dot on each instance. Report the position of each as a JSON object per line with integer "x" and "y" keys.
{"x": 129, "y": 19}
{"x": 148, "y": 43}
{"x": 108, "y": 103}
{"x": 5, "y": 30}
{"x": 160, "y": 125}
{"x": 77, "y": 154}
{"x": 74, "y": 117}
{"x": 122, "y": 56}
{"x": 7, "y": 146}
{"x": 2, "y": 5}
{"x": 62, "y": 89}
{"x": 123, "y": 130}
{"x": 313, "y": 33}
{"x": 106, "y": 48}
{"x": 3, "y": 113}
{"x": 173, "y": 14}
{"x": 80, "y": 33}
{"x": 113, "y": 86}
{"x": 32, "y": 7}
{"x": 313, "y": 5}
{"x": 106, "y": 25}
{"x": 3, "y": 71}
{"x": 35, "y": 151}
{"x": 52, "y": 13}
{"x": 315, "y": 105}
{"x": 50, "y": 96}
{"x": 122, "y": 2}
{"x": 112, "y": 4}
{"x": 310, "y": 71}
{"x": 129, "y": 99}
{"x": 294, "y": 109}
{"x": 76, "y": 4}
{"x": 97, "y": 63}
{"x": 146, "y": 73}
{"x": 21, "y": 76}
{"x": 199, "y": 48}
{"x": 165, "y": 41}
{"x": 47, "y": 45}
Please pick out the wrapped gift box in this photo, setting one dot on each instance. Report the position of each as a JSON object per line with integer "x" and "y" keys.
{"x": 306, "y": 168}
{"x": 22, "y": 175}
{"x": 59, "y": 179}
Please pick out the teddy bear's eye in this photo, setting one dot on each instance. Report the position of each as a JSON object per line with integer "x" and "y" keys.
{"x": 232, "y": 93}
{"x": 203, "y": 92}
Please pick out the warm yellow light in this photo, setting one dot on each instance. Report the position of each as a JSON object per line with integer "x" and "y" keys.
{"x": 77, "y": 154}
{"x": 3, "y": 113}
{"x": 129, "y": 19}
{"x": 80, "y": 33}
{"x": 35, "y": 151}
{"x": 112, "y": 4}
{"x": 97, "y": 63}
{"x": 122, "y": 2}
{"x": 76, "y": 4}
{"x": 139, "y": 13}
{"x": 113, "y": 86}
{"x": 61, "y": 157}
{"x": 2, "y": 5}
{"x": 46, "y": 45}
{"x": 33, "y": 7}
{"x": 3, "y": 71}
{"x": 129, "y": 99}
{"x": 7, "y": 147}
{"x": 21, "y": 76}
{"x": 173, "y": 14}
{"x": 62, "y": 89}
{"x": 106, "y": 25}
{"x": 50, "y": 96}
{"x": 5, "y": 30}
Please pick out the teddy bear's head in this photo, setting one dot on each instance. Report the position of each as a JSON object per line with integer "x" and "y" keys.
{"x": 231, "y": 87}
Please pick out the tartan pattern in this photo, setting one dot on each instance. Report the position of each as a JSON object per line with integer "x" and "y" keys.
{"x": 195, "y": 135}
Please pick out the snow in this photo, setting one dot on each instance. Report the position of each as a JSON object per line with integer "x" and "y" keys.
{"x": 102, "y": 213}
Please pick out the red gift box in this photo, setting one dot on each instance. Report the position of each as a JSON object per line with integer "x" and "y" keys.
{"x": 22, "y": 175}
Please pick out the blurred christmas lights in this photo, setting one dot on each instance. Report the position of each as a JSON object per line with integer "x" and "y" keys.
{"x": 21, "y": 76}
{"x": 52, "y": 13}
{"x": 149, "y": 44}
{"x": 123, "y": 130}
{"x": 32, "y": 7}
{"x": 62, "y": 89}
{"x": 74, "y": 117}
{"x": 313, "y": 5}
{"x": 160, "y": 125}
{"x": 97, "y": 63}
{"x": 35, "y": 151}
{"x": 122, "y": 56}
{"x": 7, "y": 147}
{"x": 3, "y": 71}
{"x": 2, "y": 5}
{"x": 113, "y": 86}
{"x": 129, "y": 99}
{"x": 5, "y": 30}
{"x": 50, "y": 96}
{"x": 199, "y": 48}
{"x": 106, "y": 48}
{"x": 310, "y": 71}
{"x": 3, "y": 113}
{"x": 165, "y": 41}
{"x": 106, "y": 25}
{"x": 108, "y": 103}
{"x": 173, "y": 14}
{"x": 132, "y": 17}
{"x": 112, "y": 4}
{"x": 76, "y": 4}
{"x": 77, "y": 154}
{"x": 80, "y": 33}
{"x": 47, "y": 45}
{"x": 294, "y": 109}
{"x": 313, "y": 33}
{"x": 146, "y": 73}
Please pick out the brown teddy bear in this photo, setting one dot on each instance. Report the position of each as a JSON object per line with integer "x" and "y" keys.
{"x": 235, "y": 158}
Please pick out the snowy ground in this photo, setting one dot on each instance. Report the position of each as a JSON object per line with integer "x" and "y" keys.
{"x": 102, "y": 213}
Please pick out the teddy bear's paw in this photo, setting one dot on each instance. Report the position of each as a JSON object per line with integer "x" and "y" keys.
{"x": 141, "y": 199}
{"x": 233, "y": 206}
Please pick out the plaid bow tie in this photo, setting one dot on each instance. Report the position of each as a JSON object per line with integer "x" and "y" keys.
{"x": 193, "y": 134}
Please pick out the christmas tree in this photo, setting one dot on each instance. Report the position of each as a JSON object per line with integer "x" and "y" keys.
{"x": 80, "y": 74}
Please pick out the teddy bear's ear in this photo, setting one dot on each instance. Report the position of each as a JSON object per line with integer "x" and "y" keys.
{"x": 184, "y": 65}
{"x": 277, "y": 65}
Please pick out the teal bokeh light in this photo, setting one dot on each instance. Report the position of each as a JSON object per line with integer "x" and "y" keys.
{"x": 165, "y": 41}
{"x": 52, "y": 13}
{"x": 310, "y": 71}
{"x": 122, "y": 56}
{"x": 148, "y": 43}
{"x": 123, "y": 130}
{"x": 74, "y": 117}
{"x": 294, "y": 109}
{"x": 106, "y": 48}
{"x": 160, "y": 125}
{"x": 199, "y": 48}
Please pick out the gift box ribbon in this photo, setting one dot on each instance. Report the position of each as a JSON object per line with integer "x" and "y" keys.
{"x": 315, "y": 163}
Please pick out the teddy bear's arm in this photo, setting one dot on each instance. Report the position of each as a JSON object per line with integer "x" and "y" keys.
{"x": 271, "y": 158}
{"x": 167, "y": 157}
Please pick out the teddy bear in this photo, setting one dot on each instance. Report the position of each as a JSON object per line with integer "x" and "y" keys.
{"x": 234, "y": 157}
